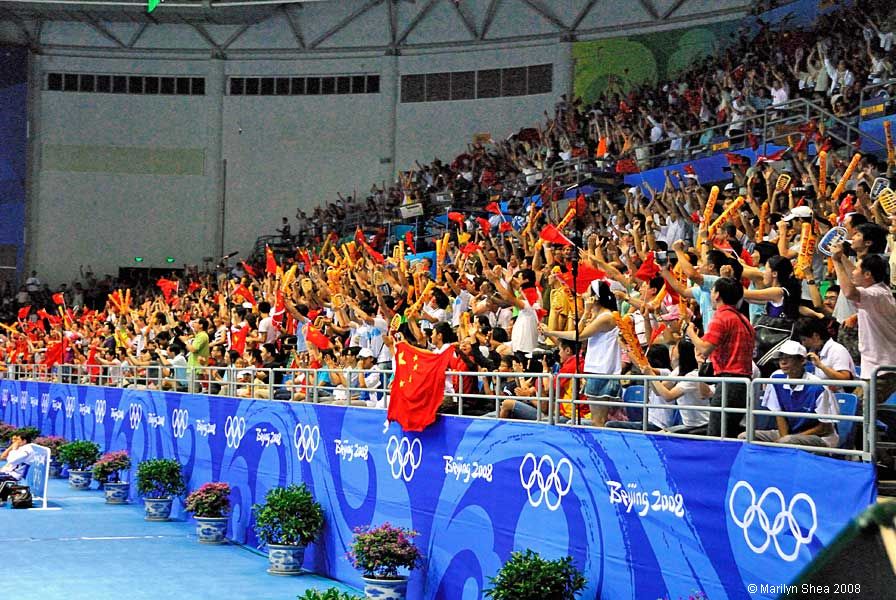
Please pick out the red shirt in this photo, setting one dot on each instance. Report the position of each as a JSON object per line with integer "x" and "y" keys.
{"x": 734, "y": 339}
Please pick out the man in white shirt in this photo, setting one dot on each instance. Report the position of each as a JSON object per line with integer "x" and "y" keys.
{"x": 831, "y": 359}
{"x": 17, "y": 456}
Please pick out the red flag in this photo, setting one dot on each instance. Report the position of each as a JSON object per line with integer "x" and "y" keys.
{"x": 551, "y": 234}
{"x": 689, "y": 169}
{"x": 735, "y": 159}
{"x": 238, "y": 338}
{"x": 245, "y": 294}
{"x": 658, "y": 330}
{"x": 846, "y": 207}
{"x": 773, "y": 156}
{"x": 586, "y": 275}
{"x": 279, "y": 310}
{"x": 470, "y": 248}
{"x": 249, "y": 270}
{"x": 316, "y": 338}
{"x": 419, "y": 386}
{"x": 194, "y": 285}
{"x": 59, "y": 298}
{"x": 456, "y": 217}
{"x": 505, "y": 227}
{"x": 484, "y": 225}
{"x": 168, "y": 288}
{"x": 270, "y": 263}
{"x": 648, "y": 269}
{"x": 409, "y": 242}
{"x": 801, "y": 145}
{"x": 376, "y": 256}
{"x": 55, "y": 353}
{"x": 493, "y": 207}
{"x": 23, "y": 312}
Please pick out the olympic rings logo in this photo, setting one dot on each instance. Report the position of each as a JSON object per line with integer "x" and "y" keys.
{"x": 771, "y": 528}
{"x": 135, "y": 414}
{"x": 180, "y": 418}
{"x": 306, "y": 440}
{"x": 69, "y": 406}
{"x": 404, "y": 457}
{"x": 539, "y": 485}
{"x": 99, "y": 410}
{"x": 234, "y": 430}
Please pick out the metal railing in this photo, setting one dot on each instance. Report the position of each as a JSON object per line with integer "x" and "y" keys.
{"x": 867, "y": 94}
{"x": 550, "y": 392}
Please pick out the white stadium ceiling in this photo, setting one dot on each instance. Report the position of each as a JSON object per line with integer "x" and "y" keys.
{"x": 235, "y": 28}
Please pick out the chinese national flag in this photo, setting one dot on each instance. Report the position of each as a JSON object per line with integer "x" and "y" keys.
{"x": 484, "y": 225}
{"x": 585, "y": 276}
{"x": 23, "y": 312}
{"x": 551, "y": 234}
{"x": 55, "y": 353}
{"x": 58, "y": 298}
{"x": 245, "y": 294}
{"x": 168, "y": 287}
{"x": 493, "y": 207}
{"x": 648, "y": 269}
{"x": 316, "y": 338}
{"x": 419, "y": 386}
{"x": 270, "y": 263}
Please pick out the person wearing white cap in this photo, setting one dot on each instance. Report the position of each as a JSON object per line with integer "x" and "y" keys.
{"x": 370, "y": 379}
{"x": 807, "y": 397}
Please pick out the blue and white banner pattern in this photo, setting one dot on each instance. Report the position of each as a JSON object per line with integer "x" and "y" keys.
{"x": 643, "y": 516}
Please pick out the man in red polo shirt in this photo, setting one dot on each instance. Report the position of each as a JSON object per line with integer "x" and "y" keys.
{"x": 729, "y": 343}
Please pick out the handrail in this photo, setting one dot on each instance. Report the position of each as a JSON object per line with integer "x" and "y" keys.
{"x": 299, "y": 382}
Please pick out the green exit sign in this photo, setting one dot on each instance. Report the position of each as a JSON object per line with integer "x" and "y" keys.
{"x": 138, "y": 259}
{"x": 152, "y": 4}
{"x": 169, "y": 259}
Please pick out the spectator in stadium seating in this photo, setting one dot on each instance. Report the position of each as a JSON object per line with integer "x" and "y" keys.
{"x": 728, "y": 343}
{"x": 867, "y": 287}
{"x": 831, "y": 359}
{"x": 807, "y": 397}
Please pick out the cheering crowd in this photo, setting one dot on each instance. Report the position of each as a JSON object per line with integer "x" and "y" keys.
{"x": 785, "y": 271}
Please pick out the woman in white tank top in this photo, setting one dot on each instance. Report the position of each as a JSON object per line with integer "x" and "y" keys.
{"x": 604, "y": 355}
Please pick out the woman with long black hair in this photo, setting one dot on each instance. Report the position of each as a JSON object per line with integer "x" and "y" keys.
{"x": 603, "y": 355}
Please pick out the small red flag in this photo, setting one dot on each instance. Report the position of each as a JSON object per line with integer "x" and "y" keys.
{"x": 23, "y": 312}
{"x": 238, "y": 338}
{"x": 586, "y": 275}
{"x": 419, "y": 386}
{"x": 470, "y": 248}
{"x": 55, "y": 353}
{"x": 316, "y": 338}
{"x": 505, "y": 227}
{"x": 168, "y": 288}
{"x": 245, "y": 294}
{"x": 773, "y": 156}
{"x": 59, "y": 298}
{"x": 551, "y": 234}
{"x": 249, "y": 270}
{"x": 493, "y": 207}
{"x": 484, "y": 225}
{"x": 409, "y": 242}
{"x": 270, "y": 263}
{"x": 648, "y": 269}
{"x": 456, "y": 217}
{"x": 689, "y": 169}
{"x": 194, "y": 285}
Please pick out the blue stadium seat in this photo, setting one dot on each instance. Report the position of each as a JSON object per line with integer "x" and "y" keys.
{"x": 891, "y": 399}
{"x": 847, "y": 404}
{"x": 635, "y": 395}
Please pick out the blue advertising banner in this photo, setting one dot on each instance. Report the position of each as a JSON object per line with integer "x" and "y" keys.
{"x": 642, "y": 516}
{"x": 874, "y": 138}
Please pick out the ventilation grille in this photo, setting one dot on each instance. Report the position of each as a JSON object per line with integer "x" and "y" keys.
{"x": 469, "y": 85}
{"x": 125, "y": 84}
{"x": 304, "y": 86}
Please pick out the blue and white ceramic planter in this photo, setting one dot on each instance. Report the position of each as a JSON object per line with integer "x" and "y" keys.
{"x": 285, "y": 560}
{"x": 117, "y": 492}
{"x": 55, "y": 469}
{"x": 212, "y": 530}
{"x": 385, "y": 589}
{"x": 80, "y": 480}
{"x": 157, "y": 509}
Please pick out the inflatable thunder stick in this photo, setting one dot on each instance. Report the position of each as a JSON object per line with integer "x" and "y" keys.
{"x": 847, "y": 175}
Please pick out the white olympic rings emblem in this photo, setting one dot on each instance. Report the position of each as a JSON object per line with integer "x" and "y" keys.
{"x": 180, "y": 418}
{"x": 545, "y": 483}
{"x": 99, "y": 410}
{"x": 69, "y": 406}
{"x": 771, "y": 528}
{"x": 306, "y": 440}
{"x": 234, "y": 430}
{"x": 135, "y": 414}
{"x": 404, "y": 457}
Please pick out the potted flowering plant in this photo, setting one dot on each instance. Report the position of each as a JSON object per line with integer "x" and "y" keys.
{"x": 107, "y": 471}
{"x": 6, "y": 434}
{"x": 210, "y": 505}
{"x": 289, "y": 520}
{"x": 159, "y": 480}
{"x": 52, "y": 443}
{"x": 379, "y": 552}
{"x": 79, "y": 457}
